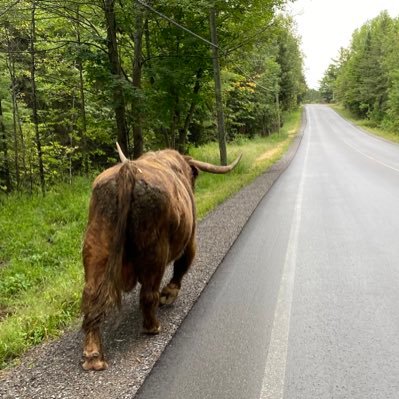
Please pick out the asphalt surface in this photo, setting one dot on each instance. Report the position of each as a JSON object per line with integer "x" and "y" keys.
{"x": 305, "y": 304}
{"x": 52, "y": 370}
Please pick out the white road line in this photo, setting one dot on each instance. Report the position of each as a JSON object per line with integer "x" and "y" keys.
{"x": 370, "y": 157}
{"x": 371, "y": 135}
{"x": 274, "y": 375}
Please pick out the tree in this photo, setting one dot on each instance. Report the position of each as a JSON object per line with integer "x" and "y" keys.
{"x": 327, "y": 83}
{"x": 116, "y": 70}
{"x": 268, "y": 82}
{"x": 5, "y": 177}
{"x": 365, "y": 77}
{"x": 34, "y": 103}
{"x": 137, "y": 113}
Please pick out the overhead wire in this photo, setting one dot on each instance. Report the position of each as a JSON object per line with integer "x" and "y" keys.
{"x": 9, "y": 7}
{"x": 175, "y": 23}
{"x": 225, "y": 52}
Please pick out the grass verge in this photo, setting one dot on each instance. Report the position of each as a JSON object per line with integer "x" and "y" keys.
{"x": 258, "y": 155}
{"x": 41, "y": 276}
{"x": 366, "y": 124}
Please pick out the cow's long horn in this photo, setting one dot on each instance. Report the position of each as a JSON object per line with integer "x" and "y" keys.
{"x": 121, "y": 154}
{"x": 207, "y": 167}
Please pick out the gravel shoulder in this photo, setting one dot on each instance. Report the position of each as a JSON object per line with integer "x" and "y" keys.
{"x": 52, "y": 370}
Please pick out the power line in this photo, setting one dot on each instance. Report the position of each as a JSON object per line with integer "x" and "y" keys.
{"x": 254, "y": 81}
{"x": 176, "y": 24}
{"x": 9, "y": 7}
{"x": 224, "y": 52}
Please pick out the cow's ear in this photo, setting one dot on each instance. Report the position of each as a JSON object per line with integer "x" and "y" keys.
{"x": 194, "y": 171}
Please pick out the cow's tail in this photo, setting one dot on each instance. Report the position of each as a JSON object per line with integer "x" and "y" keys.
{"x": 125, "y": 185}
{"x": 109, "y": 291}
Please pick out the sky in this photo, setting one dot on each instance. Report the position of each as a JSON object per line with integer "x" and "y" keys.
{"x": 327, "y": 25}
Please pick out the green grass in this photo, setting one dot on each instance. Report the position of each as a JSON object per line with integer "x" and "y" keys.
{"x": 366, "y": 124}
{"x": 41, "y": 275}
{"x": 40, "y": 272}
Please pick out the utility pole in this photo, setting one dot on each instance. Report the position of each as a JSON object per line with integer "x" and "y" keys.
{"x": 216, "y": 71}
{"x": 218, "y": 88}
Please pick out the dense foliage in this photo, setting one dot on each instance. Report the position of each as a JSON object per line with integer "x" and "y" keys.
{"x": 76, "y": 76}
{"x": 365, "y": 78}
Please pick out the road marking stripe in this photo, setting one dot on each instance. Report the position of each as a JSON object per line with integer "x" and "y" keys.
{"x": 274, "y": 375}
{"x": 370, "y": 157}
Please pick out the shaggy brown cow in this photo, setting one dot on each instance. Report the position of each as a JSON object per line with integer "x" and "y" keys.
{"x": 141, "y": 218}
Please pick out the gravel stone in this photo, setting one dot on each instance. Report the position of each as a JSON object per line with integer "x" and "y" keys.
{"x": 52, "y": 370}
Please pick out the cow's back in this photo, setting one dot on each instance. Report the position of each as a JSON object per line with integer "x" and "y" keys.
{"x": 162, "y": 212}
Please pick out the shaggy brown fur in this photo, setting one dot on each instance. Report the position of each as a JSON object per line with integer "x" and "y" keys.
{"x": 141, "y": 218}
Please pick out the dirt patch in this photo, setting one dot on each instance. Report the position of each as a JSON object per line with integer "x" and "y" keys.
{"x": 269, "y": 154}
{"x": 274, "y": 151}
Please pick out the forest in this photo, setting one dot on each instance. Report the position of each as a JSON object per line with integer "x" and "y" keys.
{"x": 365, "y": 76}
{"x": 77, "y": 76}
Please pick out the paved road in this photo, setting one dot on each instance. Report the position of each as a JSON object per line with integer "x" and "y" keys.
{"x": 305, "y": 304}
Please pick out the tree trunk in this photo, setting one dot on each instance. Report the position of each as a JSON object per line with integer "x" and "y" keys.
{"x": 148, "y": 51}
{"x": 183, "y": 132}
{"x": 218, "y": 89}
{"x": 5, "y": 167}
{"x": 164, "y": 133}
{"x": 175, "y": 122}
{"x": 82, "y": 102}
{"x": 137, "y": 107}
{"x": 116, "y": 71}
{"x": 15, "y": 121}
{"x": 84, "y": 120}
{"x": 21, "y": 137}
{"x": 34, "y": 99}
{"x": 11, "y": 70}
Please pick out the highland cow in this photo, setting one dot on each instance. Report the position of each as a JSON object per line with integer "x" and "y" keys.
{"x": 141, "y": 218}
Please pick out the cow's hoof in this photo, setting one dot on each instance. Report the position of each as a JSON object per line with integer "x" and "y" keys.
{"x": 168, "y": 295}
{"x": 152, "y": 331}
{"x": 94, "y": 362}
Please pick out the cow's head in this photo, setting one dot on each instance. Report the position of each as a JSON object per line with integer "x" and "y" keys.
{"x": 196, "y": 165}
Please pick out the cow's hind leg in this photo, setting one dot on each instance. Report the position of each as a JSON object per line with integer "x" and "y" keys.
{"x": 93, "y": 354}
{"x": 93, "y": 351}
{"x": 180, "y": 267}
{"x": 149, "y": 301}
{"x": 95, "y": 257}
